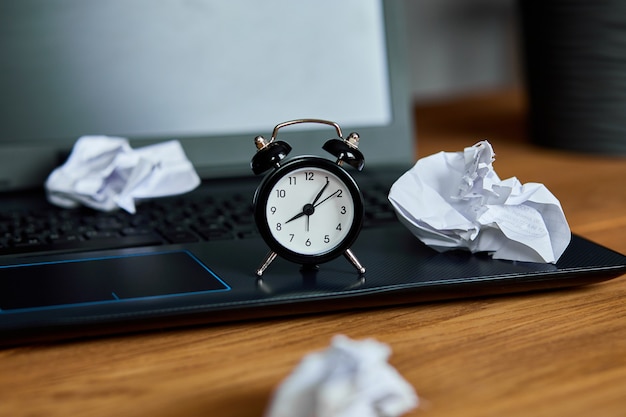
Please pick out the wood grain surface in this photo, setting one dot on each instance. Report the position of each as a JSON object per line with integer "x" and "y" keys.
{"x": 558, "y": 353}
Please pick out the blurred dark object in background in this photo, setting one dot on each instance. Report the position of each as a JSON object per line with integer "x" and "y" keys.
{"x": 575, "y": 64}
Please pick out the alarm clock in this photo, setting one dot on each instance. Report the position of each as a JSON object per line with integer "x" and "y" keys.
{"x": 308, "y": 209}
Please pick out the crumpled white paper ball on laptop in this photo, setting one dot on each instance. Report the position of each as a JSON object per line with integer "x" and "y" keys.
{"x": 453, "y": 200}
{"x": 349, "y": 379}
{"x": 105, "y": 173}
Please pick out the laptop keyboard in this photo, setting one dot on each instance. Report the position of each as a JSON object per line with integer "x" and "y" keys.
{"x": 184, "y": 219}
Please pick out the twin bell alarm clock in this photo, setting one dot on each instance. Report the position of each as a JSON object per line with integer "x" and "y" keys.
{"x": 308, "y": 209}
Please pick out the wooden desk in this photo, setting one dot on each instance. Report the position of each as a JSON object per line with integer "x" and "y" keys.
{"x": 557, "y": 353}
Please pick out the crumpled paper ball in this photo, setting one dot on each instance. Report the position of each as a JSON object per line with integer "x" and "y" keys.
{"x": 455, "y": 200}
{"x": 105, "y": 173}
{"x": 348, "y": 379}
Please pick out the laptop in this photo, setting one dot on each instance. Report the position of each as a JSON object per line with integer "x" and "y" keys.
{"x": 214, "y": 75}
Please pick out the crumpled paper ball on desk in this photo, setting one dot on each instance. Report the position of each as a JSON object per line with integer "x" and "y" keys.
{"x": 455, "y": 200}
{"x": 349, "y": 379}
{"x": 105, "y": 173}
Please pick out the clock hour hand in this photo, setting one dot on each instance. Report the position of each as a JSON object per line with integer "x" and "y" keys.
{"x": 307, "y": 210}
{"x": 297, "y": 216}
{"x": 304, "y": 212}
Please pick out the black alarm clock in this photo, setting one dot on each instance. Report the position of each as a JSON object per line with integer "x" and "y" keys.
{"x": 308, "y": 209}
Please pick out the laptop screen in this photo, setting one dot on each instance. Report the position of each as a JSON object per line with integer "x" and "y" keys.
{"x": 210, "y": 73}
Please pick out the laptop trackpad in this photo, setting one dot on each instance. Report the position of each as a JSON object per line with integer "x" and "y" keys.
{"x": 105, "y": 279}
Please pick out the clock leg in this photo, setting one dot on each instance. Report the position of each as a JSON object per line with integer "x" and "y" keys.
{"x": 354, "y": 261}
{"x": 266, "y": 262}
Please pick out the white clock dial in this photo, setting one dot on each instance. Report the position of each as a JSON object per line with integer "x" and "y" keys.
{"x": 310, "y": 211}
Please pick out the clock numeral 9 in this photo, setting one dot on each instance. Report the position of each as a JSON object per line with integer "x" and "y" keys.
{"x": 273, "y": 209}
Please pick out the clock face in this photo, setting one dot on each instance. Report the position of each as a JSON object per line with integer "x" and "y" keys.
{"x": 312, "y": 211}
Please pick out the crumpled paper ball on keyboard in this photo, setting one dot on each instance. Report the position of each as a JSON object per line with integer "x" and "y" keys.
{"x": 105, "y": 173}
{"x": 453, "y": 200}
{"x": 351, "y": 378}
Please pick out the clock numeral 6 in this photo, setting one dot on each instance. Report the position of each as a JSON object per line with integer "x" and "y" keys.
{"x": 308, "y": 242}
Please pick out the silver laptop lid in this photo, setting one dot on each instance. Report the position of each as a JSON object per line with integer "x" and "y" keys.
{"x": 212, "y": 74}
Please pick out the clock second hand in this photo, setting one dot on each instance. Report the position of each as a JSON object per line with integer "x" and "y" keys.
{"x": 312, "y": 207}
{"x": 332, "y": 195}
{"x": 309, "y": 208}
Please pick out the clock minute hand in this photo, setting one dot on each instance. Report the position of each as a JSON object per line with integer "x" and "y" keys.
{"x": 317, "y": 197}
{"x": 330, "y": 196}
{"x": 308, "y": 208}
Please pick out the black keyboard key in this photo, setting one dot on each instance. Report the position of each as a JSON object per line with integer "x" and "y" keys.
{"x": 97, "y": 234}
{"x": 133, "y": 231}
{"x": 27, "y": 241}
{"x": 179, "y": 235}
{"x": 75, "y": 243}
{"x": 170, "y": 220}
{"x": 66, "y": 238}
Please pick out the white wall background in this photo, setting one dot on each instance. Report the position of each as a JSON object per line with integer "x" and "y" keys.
{"x": 461, "y": 46}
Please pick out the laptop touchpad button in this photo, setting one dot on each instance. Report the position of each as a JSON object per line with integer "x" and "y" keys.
{"x": 105, "y": 279}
